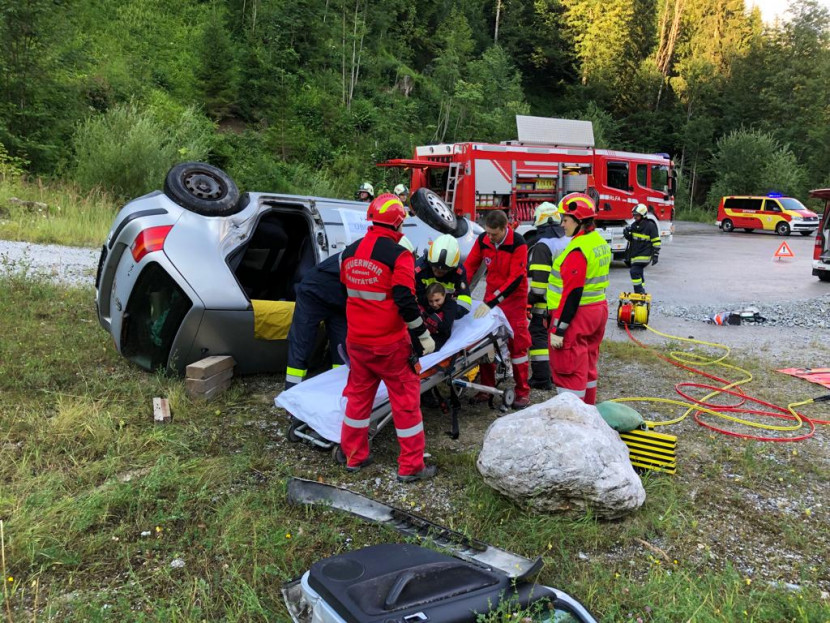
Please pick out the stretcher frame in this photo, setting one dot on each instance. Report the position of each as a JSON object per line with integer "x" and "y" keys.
{"x": 451, "y": 372}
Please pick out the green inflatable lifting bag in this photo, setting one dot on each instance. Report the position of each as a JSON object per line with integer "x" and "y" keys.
{"x": 620, "y": 416}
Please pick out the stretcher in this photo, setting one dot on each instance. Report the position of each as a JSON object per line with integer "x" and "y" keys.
{"x": 317, "y": 406}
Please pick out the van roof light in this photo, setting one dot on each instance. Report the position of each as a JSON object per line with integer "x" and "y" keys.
{"x": 775, "y": 195}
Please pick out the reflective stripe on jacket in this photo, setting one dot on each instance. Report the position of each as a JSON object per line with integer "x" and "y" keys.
{"x": 598, "y": 257}
{"x": 379, "y": 275}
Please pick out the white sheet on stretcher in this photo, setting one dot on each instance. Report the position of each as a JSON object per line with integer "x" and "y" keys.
{"x": 319, "y": 401}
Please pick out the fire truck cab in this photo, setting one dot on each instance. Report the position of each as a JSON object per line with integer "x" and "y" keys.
{"x": 551, "y": 158}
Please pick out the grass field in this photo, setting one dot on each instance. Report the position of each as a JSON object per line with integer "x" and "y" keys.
{"x": 97, "y": 501}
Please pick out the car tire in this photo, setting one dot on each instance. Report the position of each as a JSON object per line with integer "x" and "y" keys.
{"x": 727, "y": 225}
{"x": 434, "y": 211}
{"x": 805, "y": 233}
{"x": 824, "y": 276}
{"x": 203, "y": 189}
{"x": 782, "y": 229}
{"x": 748, "y": 230}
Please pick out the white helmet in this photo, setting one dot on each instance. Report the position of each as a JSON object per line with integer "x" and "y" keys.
{"x": 546, "y": 212}
{"x": 401, "y": 189}
{"x": 640, "y": 209}
{"x": 406, "y": 243}
{"x": 444, "y": 253}
{"x": 365, "y": 187}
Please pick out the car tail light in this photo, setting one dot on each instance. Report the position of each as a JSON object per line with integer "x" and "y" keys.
{"x": 149, "y": 240}
{"x": 817, "y": 250}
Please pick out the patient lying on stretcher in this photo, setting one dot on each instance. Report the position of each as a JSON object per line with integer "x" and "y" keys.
{"x": 439, "y": 314}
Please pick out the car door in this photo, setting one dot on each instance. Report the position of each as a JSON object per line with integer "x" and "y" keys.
{"x": 771, "y": 214}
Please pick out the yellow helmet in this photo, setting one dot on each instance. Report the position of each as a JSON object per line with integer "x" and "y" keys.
{"x": 444, "y": 252}
{"x": 640, "y": 209}
{"x": 546, "y": 212}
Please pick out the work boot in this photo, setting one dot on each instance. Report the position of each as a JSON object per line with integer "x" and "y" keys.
{"x": 353, "y": 469}
{"x": 480, "y": 398}
{"x": 521, "y": 403}
{"x": 540, "y": 384}
{"x": 428, "y": 472}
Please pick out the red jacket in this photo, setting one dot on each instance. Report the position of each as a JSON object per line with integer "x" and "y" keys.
{"x": 379, "y": 275}
{"x": 506, "y": 269}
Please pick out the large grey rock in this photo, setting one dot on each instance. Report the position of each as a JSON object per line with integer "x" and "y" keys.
{"x": 560, "y": 455}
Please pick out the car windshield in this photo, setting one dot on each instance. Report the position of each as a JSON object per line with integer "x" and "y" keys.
{"x": 155, "y": 311}
{"x": 788, "y": 203}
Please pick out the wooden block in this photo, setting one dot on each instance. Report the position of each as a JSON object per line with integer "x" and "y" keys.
{"x": 210, "y": 393}
{"x": 200, "y": 386}
{"x": 209, "y": 366}
{"x": 161, "y": 410}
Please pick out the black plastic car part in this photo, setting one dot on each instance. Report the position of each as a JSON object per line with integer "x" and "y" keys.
{"x": 203, "y": 189}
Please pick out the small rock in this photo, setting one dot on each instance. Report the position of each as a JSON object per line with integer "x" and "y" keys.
{"x": 146, "y": 533}
{"x": 177, "y": 563}
{"x": 583, "y": 556}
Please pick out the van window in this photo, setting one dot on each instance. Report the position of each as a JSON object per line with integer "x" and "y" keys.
{"x": 618, "y": 175}
{"x": 660, "y": 177}
{"x": 742, "y": 203}
{"x": 791, "y": 204}
{"x": 772, "y": 206}
{"x": 642, "y": 175}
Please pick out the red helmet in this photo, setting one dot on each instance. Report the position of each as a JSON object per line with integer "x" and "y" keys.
{"x": 578, "y": 205}
{"x": 386, "y": 209}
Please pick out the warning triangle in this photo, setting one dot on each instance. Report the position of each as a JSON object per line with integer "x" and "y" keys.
{"x": 784, "y": 251}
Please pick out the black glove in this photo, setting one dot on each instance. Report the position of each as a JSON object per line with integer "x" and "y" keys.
{"x": 654, "y": 259}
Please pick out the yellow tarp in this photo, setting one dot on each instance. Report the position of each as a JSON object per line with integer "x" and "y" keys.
{"x": 272, "y": 319}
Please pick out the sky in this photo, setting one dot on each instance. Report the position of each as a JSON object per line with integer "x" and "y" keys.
{"x": 770, "y": 9}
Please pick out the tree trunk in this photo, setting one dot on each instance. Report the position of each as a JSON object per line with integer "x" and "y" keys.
{"x": 498, "y": 16}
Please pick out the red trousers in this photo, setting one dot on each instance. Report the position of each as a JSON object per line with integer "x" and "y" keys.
{"x": 518, "y": 346}
{"x": 574, "y": 366}
{"x": 368, "y": 366}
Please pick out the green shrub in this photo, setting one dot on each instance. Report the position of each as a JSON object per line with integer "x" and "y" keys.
{"x": 750, "y": 162}
{"x": 128, "y": 151}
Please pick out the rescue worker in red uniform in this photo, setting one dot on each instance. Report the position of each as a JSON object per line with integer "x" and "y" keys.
{"x": 504, "y": 253}
{"x": 576, "y": 300}
{"x": 381, "y": 313}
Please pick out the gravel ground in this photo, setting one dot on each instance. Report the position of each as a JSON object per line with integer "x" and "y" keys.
{"x": 68, "y": 265}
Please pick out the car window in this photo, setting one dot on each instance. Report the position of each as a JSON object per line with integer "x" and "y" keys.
{"x": 791, "y": 204}
{"x": 660, "y": 177}
{"x": 642, "y": 175}
{"x": 772, "y": 206}
{"x": 154, "y": 313}
{"x": 742, "y": 203}
{"x": 618, "y": 175}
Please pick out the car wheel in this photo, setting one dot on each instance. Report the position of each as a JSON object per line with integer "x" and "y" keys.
{"x": 727, "y": 225}
{"x": 509, "y": 397}
{"x": 748, "y": 230}
{"x": 805, "y": 233}
{"x": 824, "y": 275}
{"x": 433, "y": 211}
{"x": 782, "y": 229}
{"x": 203, "y": 189}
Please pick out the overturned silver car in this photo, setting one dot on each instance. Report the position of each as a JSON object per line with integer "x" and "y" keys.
{"x": 184, "y": 270}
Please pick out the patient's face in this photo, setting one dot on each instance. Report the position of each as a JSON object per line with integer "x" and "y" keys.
{"x": 436, "y": 300}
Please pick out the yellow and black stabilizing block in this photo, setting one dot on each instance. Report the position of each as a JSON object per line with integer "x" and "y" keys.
{"x": 650, "y": 450}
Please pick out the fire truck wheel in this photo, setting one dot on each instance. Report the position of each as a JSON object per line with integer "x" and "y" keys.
{"x": 433, "y": 211}
{"x": 727, "y": 225}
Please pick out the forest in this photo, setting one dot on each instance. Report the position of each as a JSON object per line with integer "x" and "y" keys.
{"x": 307, "y": 96}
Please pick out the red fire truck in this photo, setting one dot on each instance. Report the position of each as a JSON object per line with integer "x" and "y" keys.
{"x": 516, "y": 176}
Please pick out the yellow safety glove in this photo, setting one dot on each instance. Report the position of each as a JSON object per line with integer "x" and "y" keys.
{"x": 481, "y": 311}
